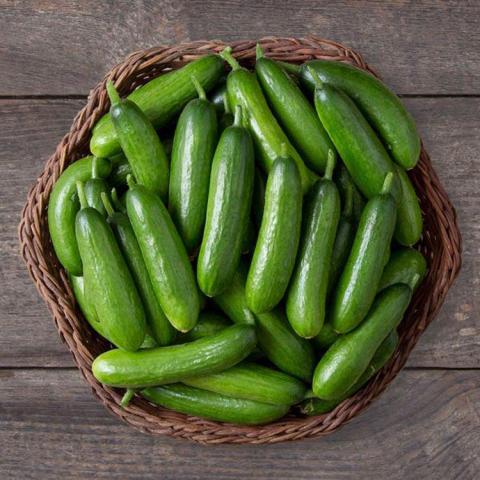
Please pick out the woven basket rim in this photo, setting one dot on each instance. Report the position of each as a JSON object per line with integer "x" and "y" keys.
{"x": 441, "y": 244}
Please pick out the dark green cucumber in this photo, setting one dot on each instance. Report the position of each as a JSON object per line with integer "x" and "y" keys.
{"x": 108, "y": 282}
{"x": 346, "y": 187}
{"x": 404, "y": 264}
{"x": 140, "y": 143}
{"x": 258, "y": 200}
{"x": 193, "y": 148}
{"x": 165, "y": 257}
{"x": 243, "y": 89}
{"x": 307, "y": 293}
{"x": 294, "y": 112}
{"x": 120, "y": 171}
{"x": 213, "y": 406}
{"x": 251, "y": 381}
{"x": 94, "y": 187}
{"x": 276, "y": 248}
{"x": 228, "y": 209}
{"x": 175, "y": 363}
{"x": 208, "y": 324}
{"x": 161, "y": 99}
{"x": 347, "y": 359}
{"x": 63, "y": 206}
{"x": 162, "y": 330}
{"x": 326, "y": 337}
{"x": 359, "y": 281}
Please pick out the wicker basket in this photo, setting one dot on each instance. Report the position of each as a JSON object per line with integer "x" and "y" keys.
{"x": 441, "y": 244}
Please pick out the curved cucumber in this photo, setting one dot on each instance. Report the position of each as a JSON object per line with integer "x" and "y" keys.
{"x": 63, "y": 206}
{"x": 276, "y": 248}
{"x": 404, "y": 264}
{"x": 175, "y": 363}
{"x": 208, "y": 324}
{"x": 213, "y": 406}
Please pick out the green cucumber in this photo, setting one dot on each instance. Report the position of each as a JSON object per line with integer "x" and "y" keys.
{"x": 346, "y": 187}
{"x": 140, "y": 143}
{"x": 276, "y": 248}
{"x": 258, "y": 200}
{"x": 252, "y": 382}
{"x": 121, "y": 169}
{"x": 175, "y": 363}
{"x": 193, "y": 148}
{"x": 165, "y": 257}
{"x": 228, "y": 209}
{"x": 213, "y": 406}
{"x": 360, "y": 278}
{"x": 161, "y": 99}
{"x": 243, "y": 89}
{"x": 307, "y": 294}
{"x": 108, "y": 281}
{"x": 326, "y": 337}
{"x": 294, "y": 112}
{"x": 94, "y": 187}
{"x": 208, "y": 324}
{"x": 346, "y": 360}
{"x": 63, "y": 206}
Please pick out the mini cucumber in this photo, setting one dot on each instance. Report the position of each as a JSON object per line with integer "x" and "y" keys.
{"x": 213, "y": 406}
{"x": 208, "y": 324}
{"x": 228, "y": 209}
{"x": 94, "y": 187}
{"x": 63, "y": 206}
{"x": 359, "y": 280}
{"x": 175, "y": 363}
{"x": 347, "y": 359}
{"x": 307, "y": 293}
{"x": 276, "y": 248}
{"x": 346, "y": 187}
{"x": 252, "y": 382}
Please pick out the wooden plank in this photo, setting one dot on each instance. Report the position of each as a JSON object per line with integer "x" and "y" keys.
{"x": 58, "y": 47}
{"x": 425, "y": 426}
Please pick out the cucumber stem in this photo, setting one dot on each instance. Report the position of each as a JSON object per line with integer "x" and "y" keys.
{"x": 107, "y": 204}
{"x": 259, "y": 52}
{"x": 112, "y": 93}
{"x": 81, "y": 194}
{"x": 127, "y": 397}
{"x": 226, "y": 54}
{"x": 237, "y": 122}
{"x": 290, "y": 67}
{"x": 95, "y": 167}
{"x": 387, "y": 183}
{"x": 330, "y": 165}
{"x": 131, "y": 181}
{"x": 116, "y": 201}
{"x": 283, "y": 150}
{"x": 316, "y": 77}
{"x": 198, "y": 88}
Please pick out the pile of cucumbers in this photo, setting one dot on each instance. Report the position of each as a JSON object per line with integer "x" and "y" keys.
{"x": 246, "y": 251}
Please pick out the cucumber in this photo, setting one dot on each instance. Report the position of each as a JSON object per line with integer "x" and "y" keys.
{"x": 63, "y": 206}
{"x": 346, "y": 360}
{"x": 252, "y": 382}
{"x": 276, "y": 248}
{"x": 108, "y": 282}
{"x": 161, "y": 99}
{"x": 213, "y": 406}
{"x": 360, "y": 278}
{"x": 258, "y": 200}
{"x": 165, "y": 257}
{"x": 208, "y": 324}
{"x": 307, "y": 294}
{"x": 193, "y": 148}
{"x": 326, "y": 337}
{"x": 243, "y": 89}
{"x": 94, "y": 187}
{"x": 140, "y": 143}
{"x": 175, "y": 363}
{"x": 228, "y": 209}
{"x": 346, "y": 187}
{"x": 294, "y": 112}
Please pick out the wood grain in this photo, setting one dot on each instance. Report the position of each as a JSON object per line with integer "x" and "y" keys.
{"x": 61, "y": 47}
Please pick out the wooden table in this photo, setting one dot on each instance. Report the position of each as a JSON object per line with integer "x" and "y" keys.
{"x": 427, "y": 425}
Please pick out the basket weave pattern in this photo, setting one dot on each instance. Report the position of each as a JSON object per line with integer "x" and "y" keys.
{"x": 441, "y": 245}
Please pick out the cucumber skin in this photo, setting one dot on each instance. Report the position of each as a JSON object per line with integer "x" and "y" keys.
{"x": 63, "y": 206}
{"x": 193, "y": 148}
{"x": 165, "y": 257}
{"x": 307, "y": 294}
{"x": 93, "y": 190}
{"x": 108, "y": 281}
{"x": 228, "y": 210}
{"x": 277, "y": 243}
{"x": 160, "y": 99}
{"x": 382, "y": 107}
{"x": 212, "y": 406}
{"x": 346, "y": 360}
{"x": 174, "y": 363}
{"x": 360, "y": 278}
{"x": 208, "y": 324}
{"x": 404, "y": 264}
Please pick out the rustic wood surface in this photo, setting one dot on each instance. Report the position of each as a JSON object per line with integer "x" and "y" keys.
{"x": 427, "y": 425}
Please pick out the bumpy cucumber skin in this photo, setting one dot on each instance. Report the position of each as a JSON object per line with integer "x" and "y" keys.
{"x": 228, "y": 210}
{"x": 359, "y": 280}
{"x": 277, "y": 243}
{"x": 307, "y": 294}
{"x": 213, "y": 406}
{"x": 326, "y": 337}
{"x": 344, "y": 183}
{"x": 193, "y": 148}
{"x": 404, "y": 264}
{"x": 295, "y": 114}
{"x": 63, "y": 206}
{"x": 93, "y": 190}
{"x": 160, "y": 99}
{"x": 381, "y": 106}
{"x": 165, "y": 257}
{"x": 108, "y": 281}
{"x": 175, "y": 363}
{"x": 252, "y": 382}
{"x": 208, "y": 324}
{"x": 346, "y": 360}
